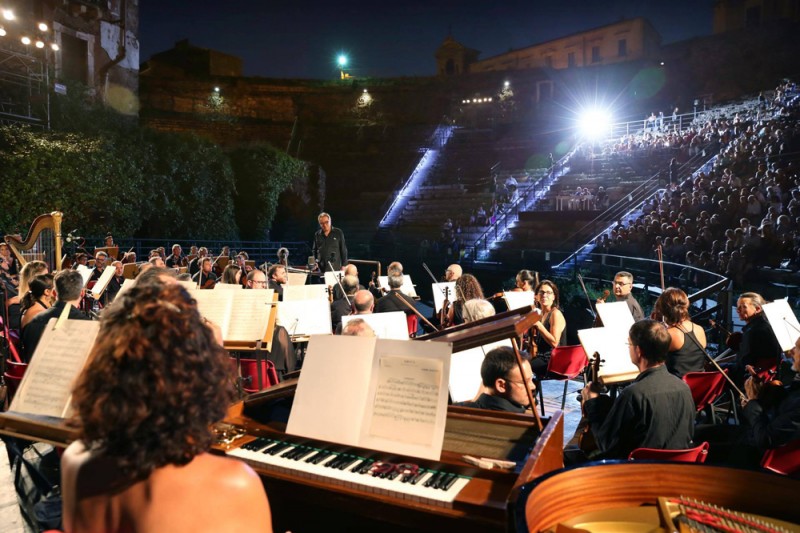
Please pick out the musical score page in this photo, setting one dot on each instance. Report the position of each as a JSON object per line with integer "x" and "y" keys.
{"x": 407, "y": 401}
{"x": 518, "y": 299}
{"x": 612, "y": 345}
{"x": 59, "y": 359}
{"x": 250, "y": 315}
{"x": 102, "y": 282}
{"x": 85, "y": 273}
{"x": 305, "y": 292}
{"x": 783, "y": 323}
{"x": 407, "y": 288}
{"x": 439, "y": 292}
{"x": 391, "y": 325}
{"x": 215, "y": 306}
{"x": 465, "y": 371}
{"x": 305, "y": 317}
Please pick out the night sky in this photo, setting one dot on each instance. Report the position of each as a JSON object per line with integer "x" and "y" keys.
{"x": 300, "y": 39}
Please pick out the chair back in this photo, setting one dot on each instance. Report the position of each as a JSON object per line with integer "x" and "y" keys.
{"x": 691, "y": 455}
{"x": 269, "y": 376}
{"x": 15, "y": 369}
{"x": 706, "y": 387}
{"x": 567, "y": 361}
{"x": 413, "y": 323}
{"x": 784, "y": 459}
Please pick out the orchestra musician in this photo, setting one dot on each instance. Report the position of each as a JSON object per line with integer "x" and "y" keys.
{"x": 759, "y": 347}
{"x": 116, "y": 281}
{"x": 363, "y": 303}
{"x": 80, "y": 259}
{"x": 655, "y": 411}
{"x": 205, "y": 277}
{"x": 453, "y": 272}
{"x": 341, "y": 306}
{"x": 40, "y": 296}
{"x": 176, "y": 259}
{"x": 277, "y": 278}
{"x": 69, "y": 291}
{"x": 256, "y": 279}
{"x": 108, "y": 242}
{"x": 140, "y": 459}
{"x": 551, "y": 330}
{"x": 524, "y": 281}
{"x": 687, "y": 338}
{"x": 329, "y": 245}
{"x": 157, "y": 261}
{"x": 504, "y": 388}
{"x": 29, "y": 270}
{"x": 389, "y": 302}
{"x": 467, "y": 288}
{"x": 194, "y": 264}
{"x": 358, "y": 327}
{"x": 623, "y": 283}
{"x": 100, "y": 259}
{"x": 231, "y": 274}
{"x": 9, "y": 272}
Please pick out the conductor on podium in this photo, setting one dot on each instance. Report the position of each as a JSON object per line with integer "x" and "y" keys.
{"x": 329, "y": 245}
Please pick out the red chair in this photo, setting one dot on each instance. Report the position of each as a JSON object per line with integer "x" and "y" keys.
{"x": 784, "y": 459}
{"x": 269, "y": 376}
{"x": 13, "y": 384}
{"x": 15, "y": 369}
{"x": 566, "y": 363}
{"x": 692, "y": 455}
{"x": 413, "y": 323}
{"x": 706, "y": 388}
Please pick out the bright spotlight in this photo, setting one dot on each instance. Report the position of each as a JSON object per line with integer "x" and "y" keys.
{"x": 506, "y": 84}
{"x": 39, "y": 44}
{"x": 42, "y": 26}
{"x": 55, "y": 47}
{"x": 216, "y": 89}
{"x": 2, "y": 32}
{"x": 595, "y": 123}
{"x": 26, "y": 41}
{"x": 8, "y": 14}
{"x": 342, "y": 60}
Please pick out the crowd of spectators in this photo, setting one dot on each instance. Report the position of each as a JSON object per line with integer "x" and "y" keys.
{"x": 741, "y": 214}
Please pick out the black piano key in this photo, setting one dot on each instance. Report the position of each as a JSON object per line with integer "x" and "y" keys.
{"x": 443, "y": 481}
{"x": 274, "y": 450}
{"x": 347, "y": 462}
{"x": 257, "y": 444}
{"x": 433, "y": 479}
{"x": 273, "y": 445}
{"x": 300, "y": 451}
{"x": 365, "y": 466}
{"x": 334, "y": 463}
{"x": 415, "y": 479}
{"x": 321, "y": 456}
{"x": 288, "y": 454}
{"x": 449, "y": 484}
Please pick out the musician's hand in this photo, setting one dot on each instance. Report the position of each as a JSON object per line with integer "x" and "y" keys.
{"x": 600, "y": 301}
{"x": 587, "y": 393}
{"x": 751, "y": 389}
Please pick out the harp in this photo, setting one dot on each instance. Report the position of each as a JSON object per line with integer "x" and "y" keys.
{"x": 43, "y": 242}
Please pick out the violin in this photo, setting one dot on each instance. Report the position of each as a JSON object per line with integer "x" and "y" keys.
{"x": 586, "y": 441}
{"x": 444, "y": 313}
{"x": 770, "y": 390}
{"x": 732, "y": 340}
{"x": 604, "y": 297}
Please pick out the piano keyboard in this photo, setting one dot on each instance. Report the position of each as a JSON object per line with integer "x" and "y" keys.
{"x": 425, "y": 486}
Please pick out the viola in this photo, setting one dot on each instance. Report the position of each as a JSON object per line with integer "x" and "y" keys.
{"x": 444, "y": 313}
{"x": 770, "y": 389}
{"x": 732, "y": 340}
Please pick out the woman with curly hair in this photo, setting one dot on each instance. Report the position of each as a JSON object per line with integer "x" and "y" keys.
{"x": 155, "y": 381}
{"x": 551, "y": 330}
{"x": 688, "y": 339}
{"x": 467, "y": 288}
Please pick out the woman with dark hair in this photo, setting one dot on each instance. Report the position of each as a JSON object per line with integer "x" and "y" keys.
{"x": 231, "y": 275}
{"x": 157, "y": 378}
{"x": 467, "y": 288}
{"x": 685, "y": 354}
{"x": 524, "y": 281}
{"x": 551, "y": 330}
{"x": 40, "y": 296}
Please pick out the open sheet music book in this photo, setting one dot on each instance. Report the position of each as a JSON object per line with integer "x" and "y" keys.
{"x": 102, "y": 283}
{"x": 783, "y": 322}
{"x": 518, "y": 299}
{"x": 612, "y": 345}
{"x": 305, "y": 317}
{"x": 374, "y": 393}
{"x": 465, "y": 370}
{"x": 615, "y": 315}
{"x": 227, "y": 286}
{"x": 305, "y": 292}
{"x": 85, "y": 273}
{"x": 386, "y": 325}
{"x": 243, "y": 316}
{"x": 46, "y": 388}
{"x": 296, "y": 278}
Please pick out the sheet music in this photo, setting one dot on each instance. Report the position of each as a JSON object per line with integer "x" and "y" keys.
{"x": 331, "y": 277}
{"x": 615, "y": 315}
{"x": 305, "y": 292}
{"x": 85, "y": 273}
{"x": 518, "y": 299}
{"x": 125, "y": 287}
{"x": 227, "y": 286}
{"x": 188, "y": 285}
{"x": 305, "y": 317}
{"x": 250, "y": 315}
{"x": 784, "y": 323}
{"x": 215, "y": 306}
{"x": 465, "y": 370}
{"x": 407, "y": 288}
{"x": 102, "y": 282}
{"x": 438, "y": 293}
{"x": 406, "y": 406}
{"x": 612, "y": 345}
{"x": 386, "y": 325}
{"x": 337, "y": 367}
{"x": 59, "y": 359}
{"x": 296, "y": 278}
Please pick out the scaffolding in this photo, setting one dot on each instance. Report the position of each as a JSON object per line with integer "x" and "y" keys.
{"x": 24, "y": 85}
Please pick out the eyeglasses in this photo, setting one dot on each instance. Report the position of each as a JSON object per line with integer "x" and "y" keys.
{"x": 545, "y": 293}
{"x": 258, "y": 282}
{"x": 529, "y": 381}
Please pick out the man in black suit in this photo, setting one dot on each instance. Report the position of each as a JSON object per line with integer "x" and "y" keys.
{"x": 391, "y": 302}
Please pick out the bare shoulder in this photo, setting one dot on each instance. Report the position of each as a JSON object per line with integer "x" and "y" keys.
{"x": 243, "y": 490}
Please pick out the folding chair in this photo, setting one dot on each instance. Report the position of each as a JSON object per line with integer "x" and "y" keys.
{"x": 269, "y": 376}
{"x": 566, "y": 363}
{"x": 784, "y": 459}
{"x": 706, "y": 388}
{"x": 691, "y": 455}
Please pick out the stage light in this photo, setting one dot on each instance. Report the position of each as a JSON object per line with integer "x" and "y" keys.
{"x": 39, "y": 44}
{"x": 506, "y": 84}
{"x": 342, "y": 60}
{"x": 216, "y": 89}
{"x": 26, "y": 41}
{"x": 595, "y": 123}
{"x": 55, "y": 47}
{"x": 8, "y": 14}
{"x": 42, "y": 26}
{"x": 2, "y": 32}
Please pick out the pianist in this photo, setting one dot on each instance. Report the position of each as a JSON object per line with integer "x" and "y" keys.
{"x": 155, "y": 382}
{"x": 504, "y": 386}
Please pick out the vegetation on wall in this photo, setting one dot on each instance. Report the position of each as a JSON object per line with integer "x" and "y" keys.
{"x": 105, "y": 173}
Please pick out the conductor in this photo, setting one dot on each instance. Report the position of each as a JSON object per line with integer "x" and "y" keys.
{"x": 329, "y": 245}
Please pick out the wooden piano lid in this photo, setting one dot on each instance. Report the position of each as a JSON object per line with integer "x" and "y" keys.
{"x": 502, "y": 326}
